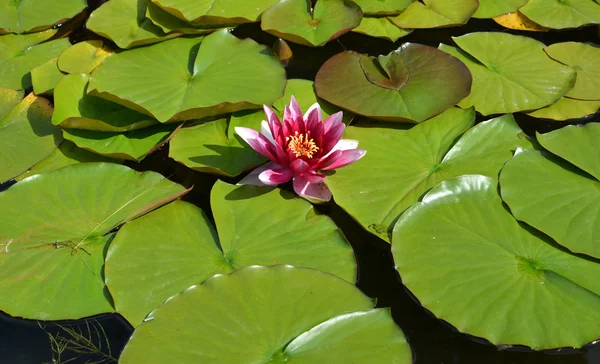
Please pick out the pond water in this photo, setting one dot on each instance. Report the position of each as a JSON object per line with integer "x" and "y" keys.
{"x": 433, "y": 341}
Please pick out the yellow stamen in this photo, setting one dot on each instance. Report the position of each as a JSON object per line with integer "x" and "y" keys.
{"x": 301, "y": 145}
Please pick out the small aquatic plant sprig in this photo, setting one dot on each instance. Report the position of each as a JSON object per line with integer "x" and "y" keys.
{"x": 299, "y": 148}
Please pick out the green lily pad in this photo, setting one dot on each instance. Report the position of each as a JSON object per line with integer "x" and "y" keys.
{"x": 216, "y": 11}
{"x": 436, "y": 13}
{"x": 59, "y": 245}
{"x": 561, "y": 14}
{"x": 583, "y": 58}
{"x": 267, "y": 315}
{"x": 492, "y": 8}
{"x": 358, "y": 83}
{"x": 510, "y": 73}
{"x": 381, "y": 28}
{"x": 407, "y": 163}
{"x": 554, "y": 196}
{"x": 18, "y": 16}
{"x": 65, "y": 155}
{"x": 228, "y": 75}
{"x": 383, "y": 7}
{"x": 132, "y": 145}
{"x": 9, "y": 98}
{"x": 27, "y": 136}
{"x": 124, "y": 22}
{"x": 250, "y": 221}
{"x": 214, "y": 147}
{"x": 45, "y": 77}
{"x": 169, "y": 23}
{"x": 74, "y": 108}
{"x": 83, "y": 57}
{"x": 297, "y": 21}
{"x": 22, "y": 53}
{"x": 566, "y": 108}
{"x": 511, "y": 287}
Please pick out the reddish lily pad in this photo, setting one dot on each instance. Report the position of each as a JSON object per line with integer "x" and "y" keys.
{"x": 299, "y": 22}
{"x": 381, "y": 88}
{"x": 436, "y": 13}
{"x": 228, "y": 74}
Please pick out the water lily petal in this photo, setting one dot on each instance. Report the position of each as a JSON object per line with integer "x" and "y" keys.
{"x": 266, "y": 131}
{"x": 342, "y": 144}
{"x": 314, "y": 177}
{"x": 252, "y": 177}
{"x": 257, "y": 141}
{"x": 275, "y": 176}
{"x": 333, "y": 120}
{"x": 313, "y": 116}
{"x": 299, "y": 166}
{"x": 332, "y": 137}
{"x": 295, "y": 110}
{"x": 314, "y": 192}
{"x": 346, "y": 157}
{"x": 274, "y": 124}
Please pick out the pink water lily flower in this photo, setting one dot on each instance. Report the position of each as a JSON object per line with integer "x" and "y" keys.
{"x": 299, "y": 148}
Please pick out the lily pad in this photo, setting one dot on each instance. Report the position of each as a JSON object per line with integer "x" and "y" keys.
{"x": 410, "y": 84}
{"x": 494, "y": 8}
{"x": 220, "y": 75}
{"x": 45, "y": 77}
{"x": 567, "y": 108}
{"x": 561, "y": 14}
{"x": 65, "y": 155}
{"x": 583, "y": 58}
{"x": 436, "y": 13}
{"x": 35, "y": 15}
{"x": 22, "y": 53}
{"x": 133, "y": 145}
{"x": 540, "y": 296}
{"x": 383, "y": 7}
{"x": 299, "y": 22}
{"x": 169, "y": 23}
{"x": 74, "y": 108}
{"x": 216, "y": 11}
{"x": 59, "y": 245}
{"x": 554, "y": 196}
{"x": 256, "y": 225}
{"x": 27, "y": 136}
{"x": 83, "y": 57}
{"x": 276, "y": 315}
{"x": 519, "y": 21}
{"x": 124, "y": 22}
{"x": 214, "y": 147}
{"x": 9, "y": 98}
{"x": 510, "y": 73}
{"x": 381, "y": 28}
{"x": 407, "y": 163}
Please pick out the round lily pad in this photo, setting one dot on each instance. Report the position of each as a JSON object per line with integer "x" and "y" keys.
{"x": 250, "y": 221}
{"x": 199, "y": 77}
{"x": 299, "y": 22}
{"x": 83, "y": 57}
{"x": 583, "y": 58}
{"x": 169, "y": 23}
{"x": 561, "y": 14}
{"x": 381, "y": 28}
{"x": 269, "y": 315}
{"x": 45, "y": 77}
{"x": 74, "y": 108}
{"x": 9, "y": 98}
{"x": 407, "y": 163}
{"x": 18, "y": 16}
{"x": 567, "y": 108}
{"x": 216, "y": 11}
{"x": 554, "y": 196}
{"x": 510, "y": 73}
{"x": 493, "y": 8}
{"x": 410, "y": 84}
{"x": 27, "y": 136}
{"x": 124, "y": 22}
{"x": 470, "y": 263}
{"x": 383, "y": 7}
{"x": 214, "y": 146}
{"x": 61, "y": 234}
{"x": 21, "y": 53}
{"x": 436, "y": 13}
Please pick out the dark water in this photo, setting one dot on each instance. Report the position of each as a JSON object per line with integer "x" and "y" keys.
{"x": 433, "y": 341}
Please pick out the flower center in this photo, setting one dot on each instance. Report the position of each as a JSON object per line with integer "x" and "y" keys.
{"x": 301, "y": 145}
